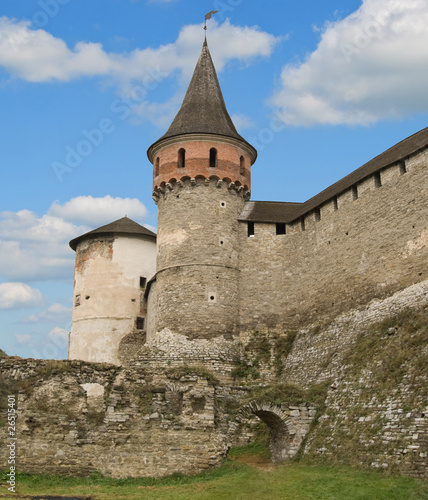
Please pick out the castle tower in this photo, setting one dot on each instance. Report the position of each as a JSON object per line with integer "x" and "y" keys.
{"x": 113, "y": 265}
{"x": 201, "y": 178}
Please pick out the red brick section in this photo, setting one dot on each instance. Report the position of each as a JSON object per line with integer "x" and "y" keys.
{"x": 197, "y": 163}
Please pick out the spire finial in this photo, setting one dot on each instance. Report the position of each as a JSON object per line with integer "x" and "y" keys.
{"x": 208, "y": 16}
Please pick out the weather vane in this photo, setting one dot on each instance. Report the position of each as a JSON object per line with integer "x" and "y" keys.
{"x": 208, "y": 16}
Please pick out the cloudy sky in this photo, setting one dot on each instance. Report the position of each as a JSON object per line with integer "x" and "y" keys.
{"x": 319, "y": 88}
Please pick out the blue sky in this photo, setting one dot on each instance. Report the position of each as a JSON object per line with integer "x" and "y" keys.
{"x": 319, "y": 88}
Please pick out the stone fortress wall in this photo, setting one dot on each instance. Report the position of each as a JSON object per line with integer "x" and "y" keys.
{"x": 76, "y": 418}
{"x": 367, "y": 243}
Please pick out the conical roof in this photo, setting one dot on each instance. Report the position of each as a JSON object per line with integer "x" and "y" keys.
{"x": 203, "y": 110}
{"x": 125, "y": 225}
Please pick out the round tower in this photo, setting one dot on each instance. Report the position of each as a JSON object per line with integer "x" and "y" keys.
{"x": 113, "y": 266}
{"x": 201, "y": 179}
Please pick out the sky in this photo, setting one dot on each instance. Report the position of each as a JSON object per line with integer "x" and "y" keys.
{"x": 318, "y": 87}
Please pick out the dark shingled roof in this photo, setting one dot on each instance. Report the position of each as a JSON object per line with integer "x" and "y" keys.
{"x": 267, "y": 211}
{"x": 203, "y": 110}
{"x": 120, "y": 226}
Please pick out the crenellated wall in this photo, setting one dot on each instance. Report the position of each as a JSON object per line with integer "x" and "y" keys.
{"x": 368, "y": 243}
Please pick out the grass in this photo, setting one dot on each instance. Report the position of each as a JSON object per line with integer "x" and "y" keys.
{"x": 268, "y": 349}
{"x": 246, "y": 475}
{"x": 185, "y": 371}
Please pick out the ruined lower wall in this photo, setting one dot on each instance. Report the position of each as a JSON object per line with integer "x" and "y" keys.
{"x": 373, "y": 362}
{"x": 75, "y": 418}
{"x": 362, "y": 376}
{"x": 368, "y": 243}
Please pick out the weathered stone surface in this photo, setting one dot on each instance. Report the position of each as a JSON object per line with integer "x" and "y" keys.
{"x": 368, "y": 248}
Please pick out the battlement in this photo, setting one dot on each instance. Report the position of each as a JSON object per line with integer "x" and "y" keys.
{"x": 202, "y": 156}
{"x": 174, "y": 186}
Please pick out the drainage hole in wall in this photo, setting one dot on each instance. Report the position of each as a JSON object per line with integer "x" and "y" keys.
{"x": 87, "y": 297}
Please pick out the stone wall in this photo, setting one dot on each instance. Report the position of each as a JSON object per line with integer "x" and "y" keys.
{"x": 353, "y": 251}
{"x": 198, "y": 258}
{"x": 319, "y": 351}
{"x": 75, "y": 418}
{"x": 376, "y": 410}
{"x": 374, "y": 361}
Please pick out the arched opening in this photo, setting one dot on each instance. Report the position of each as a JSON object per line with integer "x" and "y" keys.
{"x": 279, "y": 436}
{"x": 181, "y": 158}
{"x": 213, "y": 158}
{"x": 282, "y": 432}
{"x": 242, "y": 165}
{"x": 157, "y": 167}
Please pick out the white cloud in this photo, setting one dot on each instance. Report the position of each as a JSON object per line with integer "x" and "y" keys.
{"x": 17, "y": 295}
{"x": 24, "y": 338}
{"x": 35, "y": 247}
{"x": 54, "y": 313}
{"x": 367, "y": 67}
{"x": 97, "y": 211}
{"x": 242, "y": 122}
{"x": 38, "y": 56}
{"x": 58, "y": 333}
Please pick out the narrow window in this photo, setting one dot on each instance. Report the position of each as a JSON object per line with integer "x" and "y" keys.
{"x": 302, "y": 224}
{"x": 181, "y": 158}
{"x": 142, "y": 282}
{"x": 242, "y": 165}
{"x": 317, "y": 214}
{"x": 335, "y": 205}
{"x": 354, "y": 193}
{"x": 77, "y": 301}
{"x": 403, "y": 169}
{"x": 157, "y": 167}
{"x": 250, "y": 228}
{"x": 280, "y": 228}
{"x": 140, "y": 323}
{"x": 213, "y": 158}
{"x": 377, "y": 181}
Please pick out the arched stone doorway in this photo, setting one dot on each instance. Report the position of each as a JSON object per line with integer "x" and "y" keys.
{"x": 281, "y": 429}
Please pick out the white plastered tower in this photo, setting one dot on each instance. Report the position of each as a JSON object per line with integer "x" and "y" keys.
{"x": 114, "y": 263}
